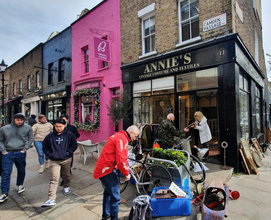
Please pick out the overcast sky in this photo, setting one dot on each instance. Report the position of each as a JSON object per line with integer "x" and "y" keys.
{"x": 26, "y": 23}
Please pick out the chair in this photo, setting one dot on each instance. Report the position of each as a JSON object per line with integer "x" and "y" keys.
{"x": 87, "y": 147}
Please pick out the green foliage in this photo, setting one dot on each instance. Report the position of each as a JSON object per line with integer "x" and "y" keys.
{"x": 170, "y": 155}
{"x": 119, "y": 108}
{"x": 91, "y": 92}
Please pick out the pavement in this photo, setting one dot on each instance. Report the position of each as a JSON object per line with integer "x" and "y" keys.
{"x": 85, "y": 201}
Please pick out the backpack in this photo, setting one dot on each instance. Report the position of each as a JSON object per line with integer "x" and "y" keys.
{"x": 141, "y": 209}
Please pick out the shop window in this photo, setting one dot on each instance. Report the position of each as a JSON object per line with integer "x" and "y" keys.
{"x": 163, "y": 85}
{"x": 50, "y": 74}
{"x": 142, "y": 88}
{"x": 61, "y": 68}
{"x": 188, "y": 20}
{"x": 258, "y": 110}
{"x": 148, "y": 29}
{"x": 87, "y": 113}
{"x": 197, "y": 80}
{"x": 86, "y": 60}
{"x": 153, "y": 109}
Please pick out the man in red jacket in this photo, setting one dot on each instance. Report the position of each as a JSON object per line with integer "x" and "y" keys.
{"x": 114, "y": 154}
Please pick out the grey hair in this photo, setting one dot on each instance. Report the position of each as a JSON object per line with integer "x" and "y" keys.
{"x": 132, "y": 128}
{"x": 170, "y": 115}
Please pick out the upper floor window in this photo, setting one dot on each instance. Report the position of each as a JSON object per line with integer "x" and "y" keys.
{"x": 28, "y": 83}
{"x": 256, "y": 47}
{"x": 61, "y": 69}
{"x": 37, "y": 79}
{"x": 188, "y": 19}
{"x": 20, "y": 86}
{"x": 50, "y": 74}
{"x": 148, "y": 29}
{"x": 86, "y": 60}
{"x": 14, "y": 88}
{"x": 102, "y": 64}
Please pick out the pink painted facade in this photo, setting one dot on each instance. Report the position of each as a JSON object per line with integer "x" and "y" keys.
{"x": 101, "y": 22}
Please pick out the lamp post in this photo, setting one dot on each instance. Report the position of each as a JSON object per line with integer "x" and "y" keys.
{"x": 3, "y": 67}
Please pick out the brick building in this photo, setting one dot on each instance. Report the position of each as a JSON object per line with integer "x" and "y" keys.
{"x": 183, "y": 56}
{"x": 23, "y": 85}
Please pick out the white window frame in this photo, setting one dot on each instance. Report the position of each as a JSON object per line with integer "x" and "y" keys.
{"x": 144, "y": 14}
{"x": 191, "y": 40}
{"x": 38, "y": 79}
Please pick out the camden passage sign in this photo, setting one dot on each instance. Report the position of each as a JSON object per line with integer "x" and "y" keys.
{"x": 215, "y": 22}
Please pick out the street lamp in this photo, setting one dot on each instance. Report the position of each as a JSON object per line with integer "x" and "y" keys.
{"x": 3, "y": 67}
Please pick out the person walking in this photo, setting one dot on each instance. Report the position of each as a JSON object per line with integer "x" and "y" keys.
{"x": 166, "y": 131}
{"x": 32, "y": 120}
{"x": 59, "y": 146}
{"x": 114, "y": 154}
{"x": 204, "y": 131}
{"x": 15, "y": 139}
{"x": 40, "y": 131}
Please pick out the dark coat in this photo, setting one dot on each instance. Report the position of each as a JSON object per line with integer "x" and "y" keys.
{"x": 73, "y": 129}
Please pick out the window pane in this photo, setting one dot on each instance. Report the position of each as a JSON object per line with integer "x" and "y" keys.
{"x": 258, "y": 116}
{"x": 152, "y": 25}
{"x": 194, "y": 8}
{"x": 185, "y": 31}
{"x": 146, "y": 27}
{"x": 246, "y": 84}
{"x": 195, "y": 27}
{"x": 184, "y": 10}
{"x": 244, "y": 115}
{"x": 87, "y": 109}
{"x": 241, "y": 81}
{"x": 197, "y": 80}
{"x": 163, "y": 85}
{"x": 147, "y": 44}
{"x": 142, "y": 88}
{"x": 152, "y": 42}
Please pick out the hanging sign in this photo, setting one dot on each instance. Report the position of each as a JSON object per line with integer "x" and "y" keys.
{"x": 101, "y": 49}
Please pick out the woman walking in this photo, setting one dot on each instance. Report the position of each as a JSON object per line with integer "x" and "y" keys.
{"x": 40, "y": 131}
{"x": 204, "y": 131}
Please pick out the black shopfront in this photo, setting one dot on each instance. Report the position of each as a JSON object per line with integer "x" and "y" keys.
{"x": 218, "y": 77}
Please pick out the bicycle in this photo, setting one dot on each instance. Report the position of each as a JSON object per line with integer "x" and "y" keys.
{"x": 196, "y": 168}
{"x": 148, "y": 175}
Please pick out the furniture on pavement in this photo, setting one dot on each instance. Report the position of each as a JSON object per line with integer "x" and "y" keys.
{"x": 87, "y": 148}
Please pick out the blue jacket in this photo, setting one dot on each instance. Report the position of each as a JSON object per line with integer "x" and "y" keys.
{"x": 59, "y": 147}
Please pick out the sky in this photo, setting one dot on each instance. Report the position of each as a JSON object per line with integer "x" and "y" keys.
{"x": 26, "y": 23}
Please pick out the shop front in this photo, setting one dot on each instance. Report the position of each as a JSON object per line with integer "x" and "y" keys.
{"x": 53, "y": 105}
{"x": 30, "y": 106}
{"x": 11, "y": 107}
{"x": 217, "y": 78}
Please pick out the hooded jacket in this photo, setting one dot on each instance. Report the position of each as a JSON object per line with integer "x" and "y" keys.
{"x": 59, "y": 146}
{"x": 13, "y": 137}
{"x": 114, "y": 153}
{"x": 204, "y": 130}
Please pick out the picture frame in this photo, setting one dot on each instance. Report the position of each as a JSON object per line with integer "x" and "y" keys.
{"x": 257, "y": 146}
{"x": 245, "y": 161}
{"x": 248, "y": 155}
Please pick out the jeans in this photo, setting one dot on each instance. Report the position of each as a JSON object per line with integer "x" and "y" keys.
{"x": 111, "y": 197}
{"x": 55, "y": 166}
{"x": 38, "y": 145}
{"x": 7, "y": 164}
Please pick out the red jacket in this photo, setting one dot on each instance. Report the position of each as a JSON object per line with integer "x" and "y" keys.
{"x": 114, "y": 153}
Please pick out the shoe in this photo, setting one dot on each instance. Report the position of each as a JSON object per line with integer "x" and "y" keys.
{"x": 47, "y": 164}
{"x": 49, "y": 202}
{"x": 3, "y": 198}
{"x": 67, "y": 191}
{"x": 106, "y": 217}
{"x": 41, "y": 170}
{"x": 21, "y": 189}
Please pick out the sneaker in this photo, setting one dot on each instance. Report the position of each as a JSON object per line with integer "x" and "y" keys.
{"x": 47, "y": 164}
{"x": 67, "y": 191}
{"x": 21, "y": 189}
{"x": 41, "y": 170}
{"x": 3, "y": 198}
{"x": 49, "y": 202}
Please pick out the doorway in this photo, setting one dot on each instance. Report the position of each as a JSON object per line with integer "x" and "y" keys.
{"x": 206, "y": 102}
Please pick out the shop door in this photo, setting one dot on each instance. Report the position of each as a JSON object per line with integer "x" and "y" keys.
{"x": 206, "y": 102}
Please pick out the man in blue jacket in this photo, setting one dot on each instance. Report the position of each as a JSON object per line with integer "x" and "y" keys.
{"x": 15, "y": 139}
{"x": 59, "y": 146}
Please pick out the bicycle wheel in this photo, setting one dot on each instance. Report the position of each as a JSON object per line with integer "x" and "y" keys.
{"x": 157, "y": 176}
{"x": 122, "y": 183}
{"x": 196, "y": 169}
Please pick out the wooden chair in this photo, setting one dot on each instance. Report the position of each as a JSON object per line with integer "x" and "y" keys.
{"x": 87, "y": 148}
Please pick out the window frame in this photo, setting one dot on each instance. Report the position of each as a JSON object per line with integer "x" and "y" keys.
{"x": 20, "y": 86}
{"x": 180, "y": 22}
{"x": 28, "y": 83}
{"x": 61, "y": 71}
{"x": 38, "y": 79}
{"x": 86, "y": 59}
{"x": 50, "y": 74}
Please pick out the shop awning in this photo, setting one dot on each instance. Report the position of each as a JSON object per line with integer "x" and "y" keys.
{"x": 5, "y": 102}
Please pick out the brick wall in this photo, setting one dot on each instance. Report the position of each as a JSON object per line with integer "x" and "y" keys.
{"x": 21, "y": 69}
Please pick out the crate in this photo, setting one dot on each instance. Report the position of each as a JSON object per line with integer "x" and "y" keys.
{"x": 171, "y": 207}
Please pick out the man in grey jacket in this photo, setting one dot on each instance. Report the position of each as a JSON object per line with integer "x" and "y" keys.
{"x": 15, "y": 139}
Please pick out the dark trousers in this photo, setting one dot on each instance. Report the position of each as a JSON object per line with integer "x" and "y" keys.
{"x": 1, "y": 164}
{"x": 8, "y": 160}
{"x": 206, "y": 145}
